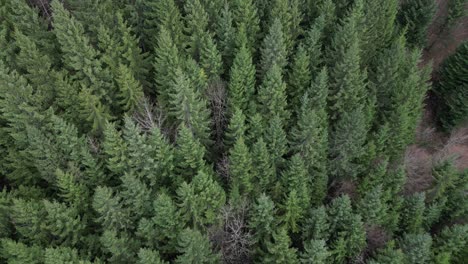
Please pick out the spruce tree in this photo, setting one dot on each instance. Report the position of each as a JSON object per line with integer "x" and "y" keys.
{"x": 416, "y": 247}
{"x": 242, "y": 80}
{"x": 389, "y": 255}
{"x": 111, "y": 214}
{"x": 299, "y": 78}
{"x": 188, "y": 155}
{"x": 413, "y": 213}
{"x": 279, "y": 251}
{"x": 245, "y": 15}
{"x": 276, "y": 140}
{"x": 196, "y": 21}
{"x": 17, "y": 252}
{"x": 147, "y": 256}
{"x": 195, "y": 248}
{"x": 315, "y": 251}
{"x": 453, "y": 110}
{"x": 120, "y": 248}
{"x": 59, "y": 255}
{"x": 262, "y": 221}
{"x": 166, "y": 64}
{"x": 316, "y": 225}
{"x": 313, "y": 43}
{"x": 272, "y": 95}
{"x": 240, "y": 168}
{"x": 415, "y": 16}
{"x": 210, "y": 58}
{"x": 236, "y": 128}
{"x": 130, "y": 90}
{"x": 263, "y": 170}
{"x": 225, "y": 34}
{"x": 273, "y": 51}
{"x": 189, "y": 108}
{"x": 200, "y": 200}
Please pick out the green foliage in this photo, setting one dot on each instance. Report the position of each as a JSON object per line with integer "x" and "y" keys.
{"x": 245, "y": 15}
{"x": 413, "y": 213}
{"x": 274, "y": 51}
{"x": 416, "y": 16}
{"x": 242, "y": 80}
{"x": 17, "y": 253}
{"x": 148, "y": 256}
{"x": 201, "y": 200}
{"x": 188, "y": 154}
{"x": 194, "y": 248}
{"x": 279, "y": 250}
{"x": 315, "y": 251}
{"x": 240, "y": 168}
{"x": 417, "y": 247}
{"x": 451, "y": 87}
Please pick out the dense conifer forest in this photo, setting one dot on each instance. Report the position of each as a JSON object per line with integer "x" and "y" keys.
{"x": 216, "y": 131}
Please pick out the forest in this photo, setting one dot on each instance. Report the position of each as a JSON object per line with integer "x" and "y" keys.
{"x": 229, "y": 131}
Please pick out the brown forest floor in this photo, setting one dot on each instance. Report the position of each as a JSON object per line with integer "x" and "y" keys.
{"x": 433, "y": 146}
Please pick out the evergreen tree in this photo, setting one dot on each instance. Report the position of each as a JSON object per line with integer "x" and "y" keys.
{"x": 416, "y": 15}
{"x": 188, "y": 108}
{"x": 316, "y": 225}
{"x": 413, "y": 213}
{"x": 279, "y": 251}
{"x": 453, "y": 110}
{"x": 276, "y": 140}
{"x": 245, "y": 14}
{"x": 196, "y": 20}
{"x": 295, "y": 178}
{"x": 163, "y": 154}
{"x": 166, "y": 65}
{"x": 210, "y": 58}
{"x": 299, "y": 78}
{"x": 262, "y": 221}
{"x": 148, "y": 256}
{"x": 242, "y": 80}
{"x": 188, "y": 155}
{"x": 162, "y": 229}
{"x": 27, "y": 218}
{"x": 130, "y": 90}
{"x": 112, "y": 215}
{"x": 293, "y": 212}
{"x": 195, "y": 248}
{"x": 389, "y": 255}
{"x": 236, "y": 127}
{"x": 272, "y": 95}
{"x": 313, "y": 43}
{"x": 115, "y": 150}
{"x": 263, "y": 169}
{"x": 451, "y": 243}
{"x": 416, "y": 247}
{"x": 17, "y": 252}
{"x": 64, "y": 224}
{"x": 120, "y": 247}
{"x": 201, "y": 200}
{"x": 62, "y": 255}
{"x": 273, "y": 51}
{"x": 240, "y": 168}
{"x": 315, "y": 251}
{"x": 371, "y": 206}
{"x": 225, "y": 34}
{"x": 157, "y": 15}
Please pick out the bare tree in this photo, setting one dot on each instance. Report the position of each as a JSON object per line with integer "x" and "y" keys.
{"x": 216, "y": 94}
{"x": 233, "y": 237}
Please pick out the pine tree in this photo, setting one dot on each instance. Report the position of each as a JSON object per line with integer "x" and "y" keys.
{"x": 272, "y": 95}
{"x": 279, "y": 251}
{"x": 196, "y": 20}
{"x": 112, "y": 215}
{"x": 130, "y": 90}
{"x": 309, "y": 137}
{"x": 316, "y": 225}
{"x": 313, "y": 43}
{"x": 17, "y": 252}
{"x": 295, "y": 178}
{"x": 166, "y": 64}
{"x": 225, "y": 34}
{"x": 240, "y": 167}
{"x": 201, "y": 200}
{"x": 148, "y": 256}
{"x": 64, "y": 224}
{"x": 273, "y": 51}
{"x": 157, "y": 15}
{"x": 210, "y": 58}
{"x": 188, "y": 155}
{"x": 115, "y": 150}
{"x": 242, "y": 80}
{"x": 62, "y": 255}
{"x": 245, "y": 14}
{"x": 417, "y": 247}
{"x": 189, "y": 108}
{"x": 236, "y": 128}
{"x": 262, "y": 221}
{"x": 452, "y": 242}
{"x": 120, "y": 247}
{"x": 347, "y": 145}
{"x": 195, "y": 248}
{"x": 416, "y": 15}
{"x": 163, "y": 154}
{"x": 315, "y": 251}
{"x": 388, "y": 255}
{"x": 453, "y": 110}
{"x": 162, "y": 229}
{"x": 299, "y": 78}
{"x": 263, "y": 168}
{"x": 276, "y": 140}
{"x": 413, "y": 213}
